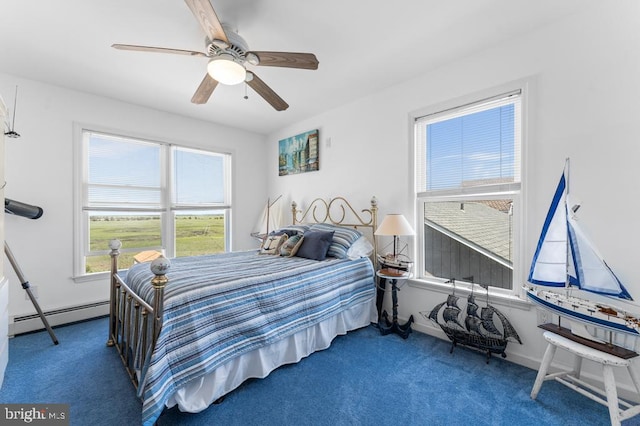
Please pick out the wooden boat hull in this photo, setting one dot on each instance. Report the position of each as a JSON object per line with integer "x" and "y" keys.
{"x": 586, "y": 312}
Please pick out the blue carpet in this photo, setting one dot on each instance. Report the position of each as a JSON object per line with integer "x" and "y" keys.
{"x": 362, "y": 379}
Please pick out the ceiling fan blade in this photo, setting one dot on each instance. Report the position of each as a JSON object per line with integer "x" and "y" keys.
{"x": 307, "y": 61}
{"x": 265, "y": 91}
{"x": 207, "y": 18}
{"x": 204, "y": 91}
{"x": 156, "y": 49}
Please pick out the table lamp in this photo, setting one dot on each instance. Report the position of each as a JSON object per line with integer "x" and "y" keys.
{"x": 394, "y": 225}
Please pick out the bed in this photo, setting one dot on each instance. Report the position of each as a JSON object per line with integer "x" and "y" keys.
{"x": 193, "y": 329}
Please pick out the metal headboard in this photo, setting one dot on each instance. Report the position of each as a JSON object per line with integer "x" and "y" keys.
{"x": 338, "y": 211}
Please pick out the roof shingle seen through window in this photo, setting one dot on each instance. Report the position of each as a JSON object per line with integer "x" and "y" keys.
{"x": 486, "y": 224}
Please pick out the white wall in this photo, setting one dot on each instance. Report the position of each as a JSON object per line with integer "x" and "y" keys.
{"x": 39, "y": 170}
{"x": 584, "y": 103}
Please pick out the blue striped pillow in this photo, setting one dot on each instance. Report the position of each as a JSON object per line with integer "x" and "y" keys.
{"x": 343, "y": 238}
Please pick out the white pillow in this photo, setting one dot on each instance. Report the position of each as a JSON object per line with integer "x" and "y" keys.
{"x": 360, "y": 248}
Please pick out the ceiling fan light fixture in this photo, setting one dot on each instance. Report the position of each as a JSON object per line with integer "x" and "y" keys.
{"x": 224, "y": 69}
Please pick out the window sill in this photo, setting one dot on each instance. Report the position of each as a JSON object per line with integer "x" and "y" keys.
{"x": 463, "y": 290}
{"x": 98, "y": 276}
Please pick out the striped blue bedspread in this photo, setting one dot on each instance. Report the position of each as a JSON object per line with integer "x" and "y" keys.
{"x": 218, "y": 307}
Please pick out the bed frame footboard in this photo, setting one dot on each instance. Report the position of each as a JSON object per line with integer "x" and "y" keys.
{"x": 134, "y": 325}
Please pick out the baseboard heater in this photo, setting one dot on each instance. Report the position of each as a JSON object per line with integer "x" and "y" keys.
{"x": 28, "y": 323}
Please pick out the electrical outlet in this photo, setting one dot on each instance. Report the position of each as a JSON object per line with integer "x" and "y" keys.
{"x": 34, "y": 291}
{"x": 544, "y": 316}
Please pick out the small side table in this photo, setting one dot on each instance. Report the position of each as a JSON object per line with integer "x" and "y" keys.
{"x": 394, "y": 326}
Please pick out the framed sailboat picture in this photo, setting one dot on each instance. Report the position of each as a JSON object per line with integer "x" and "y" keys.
{"x": 299, "y": 154}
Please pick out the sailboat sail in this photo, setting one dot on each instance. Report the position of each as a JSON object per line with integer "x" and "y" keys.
{"x": 270, "y": 218}
{"x": 564, "y": 256}
{"x": 451, "y": 312}
{"x": 593, "y": 273}
{"x": 549, "y": 266}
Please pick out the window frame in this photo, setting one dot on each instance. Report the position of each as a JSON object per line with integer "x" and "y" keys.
{"x": 168, "y": 206}
{"x": 516, "y": 191}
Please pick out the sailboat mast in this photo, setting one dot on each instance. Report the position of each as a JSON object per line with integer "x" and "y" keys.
{"x": 269, "y": 205}
{"x": 568, "y": 248}
{"x": 566, "y": 194}
{"x": 268, "y": 208}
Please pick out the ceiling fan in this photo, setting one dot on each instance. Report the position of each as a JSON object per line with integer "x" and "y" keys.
{"x": 228, "y": 55}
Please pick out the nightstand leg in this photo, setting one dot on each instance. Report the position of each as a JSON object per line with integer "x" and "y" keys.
{"x": 380, "y": 290}
{"x": 393, "y": 326}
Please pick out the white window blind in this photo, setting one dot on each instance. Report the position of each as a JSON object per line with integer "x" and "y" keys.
{"x": 122, "y": 173}
{"x": 469, "y": 146}
{"x": 198, "y": 178}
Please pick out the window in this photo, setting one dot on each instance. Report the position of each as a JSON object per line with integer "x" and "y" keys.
{"x": 468, "y": 162}
{"x": 152, "y": 196}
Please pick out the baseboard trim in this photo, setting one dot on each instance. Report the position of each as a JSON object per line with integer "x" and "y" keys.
{"x": 29, "y": 323}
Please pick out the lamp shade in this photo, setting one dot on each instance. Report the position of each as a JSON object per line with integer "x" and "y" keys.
{"x": 394, "y": 224}
{"x": 225, "y": 70}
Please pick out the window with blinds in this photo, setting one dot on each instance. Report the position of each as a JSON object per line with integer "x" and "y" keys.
{"x": 153, "y": 197}
{"x": 122, "y": 173}
{"x": 468, "y": 176}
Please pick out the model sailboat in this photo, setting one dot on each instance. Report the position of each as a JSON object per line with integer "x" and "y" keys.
{"x": 479, "y": 332}
{"x": 269, "y": 220}
{"x": 566, "y": 260}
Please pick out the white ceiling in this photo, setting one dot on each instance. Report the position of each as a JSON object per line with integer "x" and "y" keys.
{"x": 362, "y": 46}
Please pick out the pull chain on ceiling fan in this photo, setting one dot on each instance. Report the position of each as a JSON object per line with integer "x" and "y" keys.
{"x": 228, "y": 55}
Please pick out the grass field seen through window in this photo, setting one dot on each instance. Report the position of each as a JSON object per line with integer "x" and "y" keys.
{"x": 195, "y": 235}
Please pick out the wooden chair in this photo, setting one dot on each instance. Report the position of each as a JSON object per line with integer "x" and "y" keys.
{"x": 572, "y": 379}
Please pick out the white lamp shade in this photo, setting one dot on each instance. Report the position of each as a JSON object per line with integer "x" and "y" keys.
{"x": 394, "y": 224}
{"x": 225, "y": 70}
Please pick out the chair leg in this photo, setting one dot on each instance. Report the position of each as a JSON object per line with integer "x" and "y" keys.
{"x": 634, "y": 377}
{"x": 612, "y": 394}
{"x": 544, "y": 367}
{"x": 577, "y": 366}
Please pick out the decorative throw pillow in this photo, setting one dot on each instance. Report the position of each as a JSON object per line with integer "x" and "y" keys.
{"x": 272, "y": 243}
{"x": 291, "y": 246}
{"x": 315, "y": 245}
